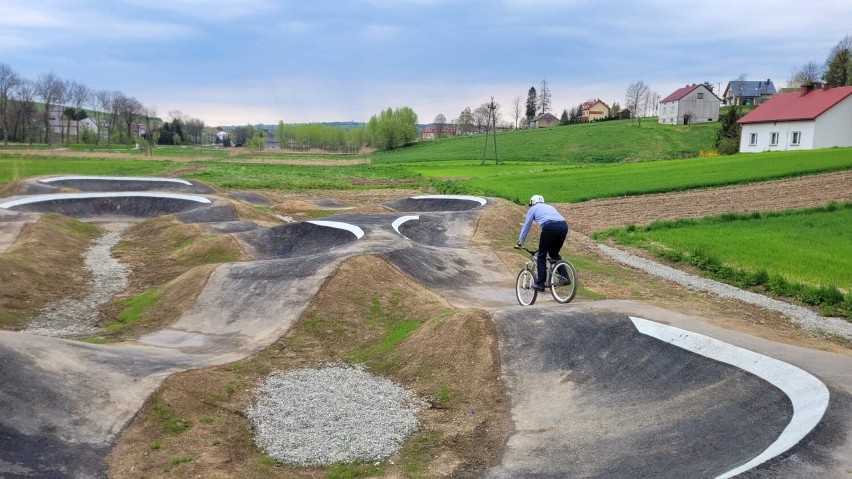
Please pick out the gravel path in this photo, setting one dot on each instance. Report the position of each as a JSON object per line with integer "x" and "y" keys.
{"x": 332, "y": 415}
{"x": 802, "y": 316}
{"x": 78, "y": 317}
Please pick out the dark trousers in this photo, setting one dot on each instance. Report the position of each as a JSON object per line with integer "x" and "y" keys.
{"x": 553, "y": 235}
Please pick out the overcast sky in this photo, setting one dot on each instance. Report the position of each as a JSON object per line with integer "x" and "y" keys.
{"x": 232, "y": 62}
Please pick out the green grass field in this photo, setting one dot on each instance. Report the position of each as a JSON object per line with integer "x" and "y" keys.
{"x": 805, "y": 254}
{"x": 604, "y": 142}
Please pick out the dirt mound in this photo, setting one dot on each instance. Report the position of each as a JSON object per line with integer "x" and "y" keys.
{"x": 43, "y": 265}
{"x": 367, "y": 312}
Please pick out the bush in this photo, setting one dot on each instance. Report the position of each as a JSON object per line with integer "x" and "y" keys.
{"x": 728, "y": 146}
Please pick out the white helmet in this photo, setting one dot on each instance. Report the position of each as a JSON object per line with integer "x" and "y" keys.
{"x": 536, "y": 199}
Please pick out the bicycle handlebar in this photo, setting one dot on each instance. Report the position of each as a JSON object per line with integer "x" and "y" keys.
{"x": 532, "y": 252}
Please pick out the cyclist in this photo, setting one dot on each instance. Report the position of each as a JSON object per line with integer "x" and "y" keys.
{"x": 554, "y": 229}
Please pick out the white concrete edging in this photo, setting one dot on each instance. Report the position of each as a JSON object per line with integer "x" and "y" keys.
{"x": 77, "y": 196}
{"x": 808, "y": 394}
{"x": 477, "y": 199}
{"x": 358, "y": 232}
{"x": 114, "y": 178}
{"x": 402, "y": 219}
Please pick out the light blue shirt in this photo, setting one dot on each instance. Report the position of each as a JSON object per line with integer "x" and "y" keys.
{"x": 540, "y": 213}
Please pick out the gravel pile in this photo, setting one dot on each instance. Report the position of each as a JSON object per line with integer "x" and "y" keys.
{"x": 799, "y": 315}
{"x": 78, "y": 317}
{"x": 337, "y": 414}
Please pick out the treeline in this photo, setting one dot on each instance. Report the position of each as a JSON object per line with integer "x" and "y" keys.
{"x": 50, "y": 109}
{"x": 306, "y": 136}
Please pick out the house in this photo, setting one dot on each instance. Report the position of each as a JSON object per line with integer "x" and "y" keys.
{"x": 623, "y": 113}
{"x": 430, "y": 132}
{"x": 690, "y": 104}
{"x": 808, "y": 119}
{"x": 592, "y": 110}
{"x": 545, "y": 120}
{"x": 741, "y": 92}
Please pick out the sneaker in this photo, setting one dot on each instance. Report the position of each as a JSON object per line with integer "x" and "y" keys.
{"x": 537, "y": 287}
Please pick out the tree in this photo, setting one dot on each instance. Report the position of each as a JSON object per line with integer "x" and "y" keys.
{"x": 25, "y": 93}
{"x": 440, "y": 122}
{"x": 728, "y": 136}
{"x": 481, "y": 117}
{"x": 613, "y": 111}
{"x": 837, "y": 71}
{"x": 544, "y": 98}
{"x": 516, "y": 110}
{"x": 708, "y": 85}
{"x": 50, "y": 89}
{"x": 78, "y": 95}
{"x": 532, "y": 102}
{"x": 466, "y": 121}
{"x": 637, "y": 98}
{"x": 393, "y": 128}
{"x": 107, "y": 101}
{"x": 809, "y": 74}
{"x": 563, "y": 120}
{"x": 9, "y": 80}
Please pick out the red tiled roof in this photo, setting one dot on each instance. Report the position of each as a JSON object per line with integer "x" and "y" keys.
{"x": 680, "y": 93}
{"x": 795, "y": 106}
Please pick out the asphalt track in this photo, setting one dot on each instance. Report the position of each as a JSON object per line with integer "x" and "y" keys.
{"x": 596, "y": 390}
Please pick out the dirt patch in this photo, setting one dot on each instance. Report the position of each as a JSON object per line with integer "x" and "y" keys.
{"x": 170, "y": 262}
{"x": 449, "y": 357}
{"x": 304, "y": 162}
{"x": 803, "y": 192}
{"x": 42, "y": 266}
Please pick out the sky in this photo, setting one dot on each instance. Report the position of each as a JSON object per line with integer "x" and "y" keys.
{"x": 238, "y": 62}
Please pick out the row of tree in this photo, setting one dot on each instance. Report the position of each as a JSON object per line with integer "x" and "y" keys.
{"x": 392, "y": 128}
{"x": 26, "y": 108}
{"x": 835, "y": 71}
{"x": 305, "y": 136}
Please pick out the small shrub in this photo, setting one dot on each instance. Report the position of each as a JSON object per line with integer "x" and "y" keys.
{"x": 728, "y": 146}
{"x": 155, "y": 444}
{"x": 707, "y": 153}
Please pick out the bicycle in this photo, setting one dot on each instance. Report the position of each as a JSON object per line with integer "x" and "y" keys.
{"x": 563, "y": 288}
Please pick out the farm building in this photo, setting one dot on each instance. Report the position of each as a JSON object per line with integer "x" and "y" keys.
{"x": 690, "y": 104}
{"x": 544, "y": 120}
{"x": 809, "y": 119}
{"x": 742, "y": 92}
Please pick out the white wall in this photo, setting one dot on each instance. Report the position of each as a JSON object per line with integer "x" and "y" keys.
{"x": 703, "y": 111}
{"x": 834, "y": 127}
{"x": 785, "y": 131}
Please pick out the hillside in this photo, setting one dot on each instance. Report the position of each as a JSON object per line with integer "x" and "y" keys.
{"x": 604, "y": 142}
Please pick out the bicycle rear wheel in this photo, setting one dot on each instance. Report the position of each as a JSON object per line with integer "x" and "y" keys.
{"x": 563, "y": 282}
{"x": 524, "y": 290}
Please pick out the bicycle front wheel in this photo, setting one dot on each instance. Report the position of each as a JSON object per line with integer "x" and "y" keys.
{"x": 564, "y": 283}
{"x": 524, "y": 290}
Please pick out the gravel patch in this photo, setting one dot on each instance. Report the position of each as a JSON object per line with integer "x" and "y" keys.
{"x": 804, "y": 317}
{"x": 70, "y": 318}
{"x": 337, "y": 414}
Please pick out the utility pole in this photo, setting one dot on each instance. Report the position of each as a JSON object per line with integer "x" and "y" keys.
{"x": 492, "y": 125}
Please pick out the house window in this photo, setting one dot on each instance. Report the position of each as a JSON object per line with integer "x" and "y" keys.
{"x": 773, "y": 138}
{"x": 752, "y": 139}
{"x": 797, "y": 138}
{"x": 700, "y": 95}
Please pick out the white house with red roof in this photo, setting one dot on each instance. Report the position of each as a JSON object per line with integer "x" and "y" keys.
{"x": 690, "y": 104}
{"x": 805, "y": 120}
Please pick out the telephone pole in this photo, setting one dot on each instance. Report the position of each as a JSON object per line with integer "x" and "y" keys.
{"x": 492, "y": 125}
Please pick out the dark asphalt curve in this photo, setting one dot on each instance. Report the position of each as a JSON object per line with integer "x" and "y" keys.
{"x": 593, "y": 397}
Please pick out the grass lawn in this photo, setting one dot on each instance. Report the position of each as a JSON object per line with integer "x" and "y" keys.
{"x": 603, "y": 142}
{"x": 602, "y": 181}
{"x": 793, "y": 253}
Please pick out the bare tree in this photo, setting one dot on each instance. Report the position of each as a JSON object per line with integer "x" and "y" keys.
{"x": 194, "y": 127}
{"x": 517, "y": 110}
{"x": 544, "y": 98}
{"x": 837, "y": 65}
{"x": 25, "y": 93}
{"x": 148, "y": 114}
{"x": 809, "y": 74}
{"x": 653, "y": 103}
{"x": 128, "y": 109}
{"x": 50, "y": 89}
{"x": 440, "y": 122}
{"x": 78, "y": 95}
{"x": 481, "y": 116}
{"x": 637, "y": 98}
{"x": 9, "y": 80}
{"x": 742, "y": 77}
{"x": 466, "y": 121}
{"x": 107, "y": 100}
